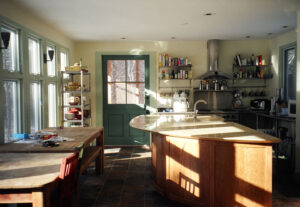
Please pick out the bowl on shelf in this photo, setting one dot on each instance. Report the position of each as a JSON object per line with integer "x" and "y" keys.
{"x": 69, "y": 116}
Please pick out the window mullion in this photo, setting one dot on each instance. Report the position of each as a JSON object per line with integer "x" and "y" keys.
{"x": 126, "y": 81}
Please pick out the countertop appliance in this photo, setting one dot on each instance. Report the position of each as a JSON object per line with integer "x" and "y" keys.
{"x": 260, "y": 104}
{"x": 292, "y": 108}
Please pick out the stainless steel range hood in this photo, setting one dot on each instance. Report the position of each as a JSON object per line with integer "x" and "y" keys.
{"x": 213, "y": 62}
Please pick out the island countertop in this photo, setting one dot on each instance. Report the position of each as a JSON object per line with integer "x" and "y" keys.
{"x": 205, "y": 127}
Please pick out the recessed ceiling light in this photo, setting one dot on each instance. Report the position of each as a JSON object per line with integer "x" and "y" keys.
{"x": 285, "y": 26}
{"x": 123, "y": 38}
{"x": 173, "y": 38}
{"x": 248, "y": 37}
{"x": 208, "y": 14}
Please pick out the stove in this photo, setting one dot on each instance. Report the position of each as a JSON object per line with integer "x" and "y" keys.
{"x": 226, "y": 114}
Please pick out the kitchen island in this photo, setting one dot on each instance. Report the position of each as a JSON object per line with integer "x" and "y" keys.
{"x": 209, "y": 162}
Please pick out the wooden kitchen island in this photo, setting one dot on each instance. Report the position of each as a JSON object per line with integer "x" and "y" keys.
{"x": 209, "y": 162}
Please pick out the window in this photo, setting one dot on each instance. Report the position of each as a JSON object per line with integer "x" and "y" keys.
{"x": 289, "y": 76}
{"x": 24, "y": 88}
{"x": 52, "y": 104}
{"x": 11, "y": 109}
{"x": 51, "y": 64}
{"x": 10, "y": 56}
{"x": 34, "y": 56}
{"x": 35, "y": 107}
{"x": 126, "y": 81}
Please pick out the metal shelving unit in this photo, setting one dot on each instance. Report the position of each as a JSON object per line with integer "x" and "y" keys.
{"x": 83, "y": 105}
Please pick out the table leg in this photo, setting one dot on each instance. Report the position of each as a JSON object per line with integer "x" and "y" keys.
{"x": 38, "y": 199}
{"x": 100, "y": 158}
{"x": 42, "y": 198}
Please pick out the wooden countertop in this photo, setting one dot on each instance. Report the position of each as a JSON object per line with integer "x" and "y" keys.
{"x": 206, "y": 127}
{"x": 29, "y": 170}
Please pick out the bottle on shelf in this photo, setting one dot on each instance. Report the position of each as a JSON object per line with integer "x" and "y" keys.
{"x": 167, "y": 76}
{"x": 252, "y": 60}
{"x": 173, "y": 74}
{"x": 241, "y": 73}
{"x": 163, "y": 74}
{"x": 190, "y": 76}
{"x": 207, "y": 85}
{"x": 260, "y": 60}
{"x": 160, "y": 60}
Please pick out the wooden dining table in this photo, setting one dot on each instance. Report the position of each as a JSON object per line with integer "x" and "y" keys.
{"x": 29, "y": 177}
{"x": 89, "y": 140}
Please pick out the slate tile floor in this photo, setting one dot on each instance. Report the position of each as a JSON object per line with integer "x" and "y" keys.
{"x": 126, "y": 182}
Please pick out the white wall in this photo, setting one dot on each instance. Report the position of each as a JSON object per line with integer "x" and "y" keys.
{"x": 16, "y": 13}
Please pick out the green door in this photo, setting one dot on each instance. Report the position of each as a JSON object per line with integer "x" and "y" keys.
{"x": 125, "y": 81}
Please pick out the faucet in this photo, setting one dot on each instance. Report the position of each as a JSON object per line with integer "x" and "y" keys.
{"x": 195, "y": 105}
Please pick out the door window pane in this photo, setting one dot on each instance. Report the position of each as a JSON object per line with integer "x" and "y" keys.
{"x": 34, "y": 56}
{"x": 51, "y": 64}
{"x": 52, "y": 104}
{"x": 116, "y": 71}
{"x": 290, "y": 73}
{"x": 135, "y": 70}
{"x": 11, "y": 109}
{"x": 126, "y": 81}
{"x": 10, "y": 56}
{"x": 35, "y": 107}
{"x": 116, "y": 93}
{"x": 135, "y": 93}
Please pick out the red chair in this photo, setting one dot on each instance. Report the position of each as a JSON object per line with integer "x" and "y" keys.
{"x": 68, "y": 179}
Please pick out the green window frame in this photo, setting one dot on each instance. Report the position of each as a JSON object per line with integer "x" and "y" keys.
{"x": 25, "y": 78}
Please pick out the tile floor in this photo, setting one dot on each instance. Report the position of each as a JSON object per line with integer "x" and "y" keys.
{"x": 126, "y": 182}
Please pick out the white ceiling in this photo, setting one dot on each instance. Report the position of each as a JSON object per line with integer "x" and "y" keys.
{"x": 163, "y": 19}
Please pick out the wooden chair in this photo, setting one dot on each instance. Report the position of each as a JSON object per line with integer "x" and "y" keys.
{"x": 68, "y": 178}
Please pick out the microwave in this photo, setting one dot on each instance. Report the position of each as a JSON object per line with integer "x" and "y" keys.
{"x": 292, "y": 108}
